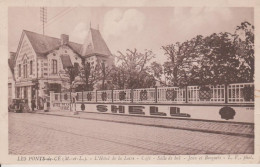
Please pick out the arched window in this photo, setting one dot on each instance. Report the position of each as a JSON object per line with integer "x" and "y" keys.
{"x": 25, "y": 68}
{"x": 31, "y": 67}
{"x": 20, "y": 70}
{"x": 54, "y": 66}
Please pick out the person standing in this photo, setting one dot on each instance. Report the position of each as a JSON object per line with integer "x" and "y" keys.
{"x": 45, "y": 105}
{"x": 33, "y": 104}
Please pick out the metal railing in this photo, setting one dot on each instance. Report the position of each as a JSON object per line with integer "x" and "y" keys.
{"x": 241, "y": 93}
{"x": 207, "y": 94}
{"x": 144, "y": 95}
{"x": 104, "y": 96}
{"x": 122, "y": 95}
{"x": 236, "y": 93}
{"x": 171, "y": 95}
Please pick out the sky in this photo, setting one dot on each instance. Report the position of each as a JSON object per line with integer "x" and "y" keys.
{"x": 128, "y": 28}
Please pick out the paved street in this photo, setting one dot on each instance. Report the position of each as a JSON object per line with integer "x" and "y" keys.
{"x": 50, "y": 134}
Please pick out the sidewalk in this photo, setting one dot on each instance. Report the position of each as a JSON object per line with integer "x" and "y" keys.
{"x": 236, "y": 129}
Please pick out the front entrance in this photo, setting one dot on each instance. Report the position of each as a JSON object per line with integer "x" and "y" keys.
{"x": 55, "y": 87}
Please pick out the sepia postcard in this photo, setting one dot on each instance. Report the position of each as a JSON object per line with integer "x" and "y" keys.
{"x": 129, "y": 82}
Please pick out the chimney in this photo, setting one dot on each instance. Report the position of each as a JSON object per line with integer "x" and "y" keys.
{"x": 64, "y": 39}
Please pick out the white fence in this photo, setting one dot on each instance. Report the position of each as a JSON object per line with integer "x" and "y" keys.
{"x": 207, "y": 94}
{"x": 144, "y": 95}
{"x": 121, "y": 96}
{"x": 171, "y": 95}
{"x": 233, "y": 93}
{"x": 241, "y": 93}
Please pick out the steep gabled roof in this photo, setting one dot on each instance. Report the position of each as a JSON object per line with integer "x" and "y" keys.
{"x": 43, "y": 44}
{"x": 75, "y": 46}
{"x": 94, "y": 44}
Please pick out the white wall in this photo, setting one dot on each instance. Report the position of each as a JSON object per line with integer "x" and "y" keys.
{"x": 243, "y": 114}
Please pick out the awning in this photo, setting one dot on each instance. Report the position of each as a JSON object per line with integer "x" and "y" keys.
{"x": 20, "y": 84}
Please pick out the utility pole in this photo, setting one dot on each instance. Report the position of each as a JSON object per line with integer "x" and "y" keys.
{"x": 43, "y": 17}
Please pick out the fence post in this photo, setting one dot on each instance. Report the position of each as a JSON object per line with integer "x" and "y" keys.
{"x": 186, "y": 94}
{"x": 96, "y": 95}
{"x": 156, "y": 99}
{"x": 112, "y": 95}
{"x": 226, "y": 93}
{"x": 132, "y": 95}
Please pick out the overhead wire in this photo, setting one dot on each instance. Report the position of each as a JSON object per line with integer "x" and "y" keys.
{"x": 40, "y": 24}
{"x": 56, "y": 17}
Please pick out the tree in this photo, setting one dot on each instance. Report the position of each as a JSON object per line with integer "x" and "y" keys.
{"x": 244, "y": 41}
{"x": 221, "y": 58}
{"x": 219, "y": 64}
{"x": 181, "y": 59}
{"x": 118, "y": 77}
{"x": 158, "y": 73}
{"x": 132, "y": 70}
{"x": 105, "y": 71}
{"x": 89, "y": 75}
{"x": 69, "y": 76}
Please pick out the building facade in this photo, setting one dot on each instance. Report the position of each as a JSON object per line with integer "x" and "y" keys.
{"x": 39, "y": 63}
{"x": 11, "y": 81}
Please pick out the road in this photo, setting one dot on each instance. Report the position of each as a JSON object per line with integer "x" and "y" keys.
{"x": 50, "y": 134}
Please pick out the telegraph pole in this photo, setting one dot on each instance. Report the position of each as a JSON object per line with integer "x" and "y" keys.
{"x": 43, "y": 17}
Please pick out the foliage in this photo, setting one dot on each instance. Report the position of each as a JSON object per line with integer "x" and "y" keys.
{"x": 182, "y": 57}
{"x": 215, "y": 59}
{"x": 90, "y": 75}
{"x": 69, "y": 76}
{"x": 132, "y": 70}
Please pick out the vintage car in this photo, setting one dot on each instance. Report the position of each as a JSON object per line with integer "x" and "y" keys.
{"x": 18, "y": 106}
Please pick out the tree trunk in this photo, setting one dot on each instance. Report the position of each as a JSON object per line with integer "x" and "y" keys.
{"x": 103, "y": 83}
{"x": 70, "y": 97}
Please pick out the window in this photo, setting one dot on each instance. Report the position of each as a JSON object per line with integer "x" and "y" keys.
{"x": 54, "y": 66}
{"x": 19, "y": 70}
{"x": 25, "y": 68}
{"x": 31, "y": 67}
{"x": 76, "y": 65}
{"x": 18, "y": 92}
